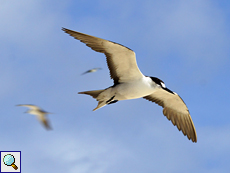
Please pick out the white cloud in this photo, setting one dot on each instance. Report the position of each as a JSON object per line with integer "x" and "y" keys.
{"x": 85, "y": 152}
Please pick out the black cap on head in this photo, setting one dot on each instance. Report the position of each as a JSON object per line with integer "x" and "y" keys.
{"x": 161, "y": 83}
{"x": 157, "y": 81}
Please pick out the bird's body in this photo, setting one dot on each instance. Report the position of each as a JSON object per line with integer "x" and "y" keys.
{"x": 40, "y": 114}
{"x": 130, "y": 83}
{"x": 132, "y": 89}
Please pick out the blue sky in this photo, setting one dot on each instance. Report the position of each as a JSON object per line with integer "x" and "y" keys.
{"x": 184, "y": 43}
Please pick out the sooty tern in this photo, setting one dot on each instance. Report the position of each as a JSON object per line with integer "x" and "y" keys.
{"x": 40, "y": 114}
{"x": 130, "y": 83}
{"x": 91, "y": 70}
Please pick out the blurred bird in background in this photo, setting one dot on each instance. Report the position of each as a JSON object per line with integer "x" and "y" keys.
{"x": 91, "y": 70}
{"x": 40, "y": 114}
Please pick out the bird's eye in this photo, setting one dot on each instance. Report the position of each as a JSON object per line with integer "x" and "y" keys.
{"x": 163, "y": 85}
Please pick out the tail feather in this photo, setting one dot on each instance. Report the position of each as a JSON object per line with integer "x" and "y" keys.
{"x": 100, "y": 104}
{"x": 102, "y": 101}
{"x": 93, "y": 93}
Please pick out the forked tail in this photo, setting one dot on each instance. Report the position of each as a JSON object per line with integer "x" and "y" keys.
{"x": 95, "y": 94}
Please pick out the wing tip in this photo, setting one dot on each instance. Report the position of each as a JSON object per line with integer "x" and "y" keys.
{"x": 63, "y": 29}
{"x": 48, "y": 128}
{"x": 193, "y": 139}
{"x": 190, "y": 132}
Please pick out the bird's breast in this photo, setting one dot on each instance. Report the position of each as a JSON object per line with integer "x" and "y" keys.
{"x": 133, "y": 90}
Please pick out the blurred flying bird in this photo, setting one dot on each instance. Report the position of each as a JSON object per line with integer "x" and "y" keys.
{"x": 40, "y": 114}
{"x": 91, "y": 70}
{"x": 130, "y": 83}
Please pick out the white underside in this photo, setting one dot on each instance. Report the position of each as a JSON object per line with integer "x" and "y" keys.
{"x": 129, "y": 90}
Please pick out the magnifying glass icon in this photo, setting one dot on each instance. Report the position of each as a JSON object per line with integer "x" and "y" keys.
{"x": 9, "y": 160}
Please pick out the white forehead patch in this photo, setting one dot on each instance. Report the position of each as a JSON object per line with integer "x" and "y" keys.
{"x": 163, "y": 85}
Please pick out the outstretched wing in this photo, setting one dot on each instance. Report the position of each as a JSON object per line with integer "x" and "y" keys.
{"x": 120, "y": 59}
{"x": 43, "y": 119}
{"x": 29, "y": 106}
{"x": 175, "y": 110}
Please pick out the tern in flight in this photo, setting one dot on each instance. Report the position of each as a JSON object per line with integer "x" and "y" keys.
{"x": 91, "y": 70}
{"x": 40, "y": 114}
{"x": 130, "y": 83}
